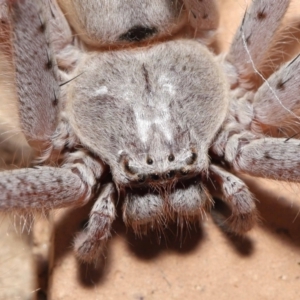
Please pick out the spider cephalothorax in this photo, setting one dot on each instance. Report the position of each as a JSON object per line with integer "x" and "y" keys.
{"x": 128, "y": 95}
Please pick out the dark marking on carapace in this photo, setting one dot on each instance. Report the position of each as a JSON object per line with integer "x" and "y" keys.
{"x": 138, "y": 33}
{"x": 146, "y": 76}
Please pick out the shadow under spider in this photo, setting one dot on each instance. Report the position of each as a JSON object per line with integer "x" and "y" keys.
{"x": 276, "y": 217}
{"x": 151, "y": 245}
{"x": 146, "y": 248}
{"x": 241, "y": 244}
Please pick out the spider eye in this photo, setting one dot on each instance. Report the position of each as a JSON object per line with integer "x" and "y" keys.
{"x": 149, "y": 161}
{"x": 138, "y": 33}
{"x": 171, "y": 157}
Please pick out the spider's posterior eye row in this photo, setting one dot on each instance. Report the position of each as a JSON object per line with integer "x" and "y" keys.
{"x": 160, "y": 176}
{"x": 171, "y": 157}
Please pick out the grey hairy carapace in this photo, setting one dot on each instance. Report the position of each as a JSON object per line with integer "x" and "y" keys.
{"x": 125, "y": 93}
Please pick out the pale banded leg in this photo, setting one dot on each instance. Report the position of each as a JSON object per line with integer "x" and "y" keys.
{"x": 43, "y": 188}
{"x": 277, "y": 101}
{"x": 275, "y": 158}
{"x": 62, "y": 38}
{"x": 89, "y": 243}
{"x": 35, "y": 69}
{"x": 254, "y": 38}
{"x": 237, "y": 196}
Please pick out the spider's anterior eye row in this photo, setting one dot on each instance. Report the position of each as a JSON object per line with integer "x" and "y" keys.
{"x": 171, "y": 158}
{"x": 161, "y": 176}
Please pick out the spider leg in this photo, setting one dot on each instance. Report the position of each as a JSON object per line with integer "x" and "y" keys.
{"x": 275, "y": 158}
{"x": 236, "y": 195}
{"x": 88, "y": 244}
{"x": 25, "y": 30}
{"x": 63, "y": 41}
{"x": 253, "y": 40}
{"x": 277, "y": 103}
{"x": 43, "y": 188}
